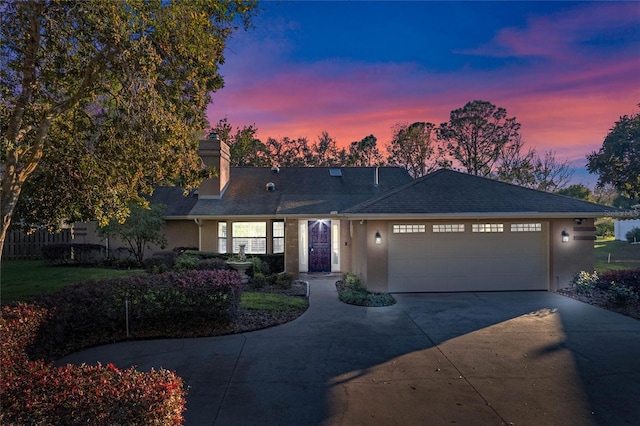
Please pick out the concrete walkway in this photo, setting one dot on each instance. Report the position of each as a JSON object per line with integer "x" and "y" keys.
{"x": 523, "y": 358}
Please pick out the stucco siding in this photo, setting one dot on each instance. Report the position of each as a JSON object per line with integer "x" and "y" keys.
{"x": 569, "y": 258}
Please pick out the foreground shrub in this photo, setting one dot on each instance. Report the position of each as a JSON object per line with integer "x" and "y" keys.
{"x": 353, "y": 282}
{"x": 622, "y": 295}
{"x": 34, "y": 392}
{"x": 585, "y": 282}
{"x": 628, "y": 278}
{"x": 93, "y": 313}
{"x": 352, "y": 292}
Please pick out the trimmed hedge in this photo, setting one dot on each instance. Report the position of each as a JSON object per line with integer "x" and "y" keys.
{"x": 93, "y": 312}
{"x": 35, "y": 392}
{"x": 77, "y": 254}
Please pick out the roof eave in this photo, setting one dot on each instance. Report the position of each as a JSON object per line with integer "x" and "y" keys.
{"x": 483, "y": 215}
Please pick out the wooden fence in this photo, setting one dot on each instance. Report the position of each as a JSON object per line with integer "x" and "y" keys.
{"x": 19, "y": 245}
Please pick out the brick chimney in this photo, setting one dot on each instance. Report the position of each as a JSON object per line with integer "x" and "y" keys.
{"x": 214, "y": 153}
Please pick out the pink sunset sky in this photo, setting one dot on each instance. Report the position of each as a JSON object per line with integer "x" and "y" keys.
{"x": 566, "y": 71}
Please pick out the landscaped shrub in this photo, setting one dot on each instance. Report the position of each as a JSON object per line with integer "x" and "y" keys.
{"x": 622, "y": 295}
{"x": 284, "y": 281}
{"x": 258, "y": 280}
{"x": 161, "y": 261}
{"x": 186, "y": 262}
{"x": 211, "y": 264}
{"x": 79, "y": 254}
{"x": 351, "y": 291}
{"x": 365, "y": 298}
{"x": 94, "y": 312}
{"x": 34, "y": 392}
{"x": 628, "y": 278}
{"x": 585, "y": 282}
{"x": 633, "y": 235}
{"x": 353, "y": 282}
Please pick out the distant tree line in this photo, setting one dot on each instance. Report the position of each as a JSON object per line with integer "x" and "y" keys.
{"x": 479, "y": 139}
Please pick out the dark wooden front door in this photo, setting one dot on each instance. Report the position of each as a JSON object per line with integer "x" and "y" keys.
{"x": 319, "y": 246}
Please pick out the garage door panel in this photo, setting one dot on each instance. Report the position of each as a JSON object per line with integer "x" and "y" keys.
{"x": 468, "y": 261}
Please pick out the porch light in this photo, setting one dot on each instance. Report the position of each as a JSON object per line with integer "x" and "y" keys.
{"x": 565, "y": 236}
{"x": 378, "y": 238}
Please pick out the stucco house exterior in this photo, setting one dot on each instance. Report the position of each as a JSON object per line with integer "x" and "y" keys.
{"x": 446, "y": 231}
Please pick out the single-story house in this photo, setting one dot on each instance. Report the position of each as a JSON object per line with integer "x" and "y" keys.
{"x": 446, "y": 231}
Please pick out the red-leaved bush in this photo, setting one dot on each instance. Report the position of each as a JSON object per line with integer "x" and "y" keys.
{"x": 627, "y": 278}
{"x": 35, "y": 392}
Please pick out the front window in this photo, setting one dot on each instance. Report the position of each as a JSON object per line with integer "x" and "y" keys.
{"x": 222, "y": 237}
{"x": 278, "y": 237}
{"x": 252, "y": 234}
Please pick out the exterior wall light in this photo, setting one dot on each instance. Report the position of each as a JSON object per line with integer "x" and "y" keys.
{"x": 378, "y": 238}
{"x": 565, "y": 236}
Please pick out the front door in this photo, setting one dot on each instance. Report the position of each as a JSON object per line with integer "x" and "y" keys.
{"x": 319, "y": 246}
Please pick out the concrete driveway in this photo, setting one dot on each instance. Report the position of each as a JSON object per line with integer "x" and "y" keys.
{"x": 522, "y": 358}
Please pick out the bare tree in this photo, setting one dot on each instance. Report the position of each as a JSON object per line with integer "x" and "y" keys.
{"x": 413, "y": 147}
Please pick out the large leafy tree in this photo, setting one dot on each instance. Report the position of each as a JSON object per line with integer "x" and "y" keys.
{"x": 364, "y": 153}
{"x": 288, "y": 152}
{"x": 325, "y": 152}
{"x": 413, "y": 147}
{"x": 245, "y": 149}
{"x": 142, "y": 228}
{"x": 618, "y": 161}
{"x": 100, "y": 100}
{"x": 477, "y": 134}
{"x": 579, "y": 191}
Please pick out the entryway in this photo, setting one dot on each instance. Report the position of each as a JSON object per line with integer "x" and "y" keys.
{"x": 319, "y": 245}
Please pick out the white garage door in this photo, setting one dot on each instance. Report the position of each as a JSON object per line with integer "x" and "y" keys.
{"x": 468, "y": 257}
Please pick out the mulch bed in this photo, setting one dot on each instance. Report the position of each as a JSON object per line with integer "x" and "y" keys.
{"x": 599, "y": 299}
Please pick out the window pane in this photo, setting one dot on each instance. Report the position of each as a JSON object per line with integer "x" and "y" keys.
{"x": 487, "y": 227}
{"x": 408, "y": 229}
{"x": 455, "y": 227}
{"x": 278, "y": 237}
{"x": 249, "y": 229}
{"x": 526, "y": 227}
{"x": 252, "y": 245}
{"x": 222, "y": 237}
{"x": 278, "y": 229}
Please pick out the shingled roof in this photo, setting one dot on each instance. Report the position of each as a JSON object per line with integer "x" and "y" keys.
{"x": 447, "y": 192}
{"x": 298, "y": 191}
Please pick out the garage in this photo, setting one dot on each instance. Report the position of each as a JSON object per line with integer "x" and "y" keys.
{"x": 468, "y": 256}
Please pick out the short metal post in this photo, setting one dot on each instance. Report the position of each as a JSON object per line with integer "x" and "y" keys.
{"x": 126, "y": 313}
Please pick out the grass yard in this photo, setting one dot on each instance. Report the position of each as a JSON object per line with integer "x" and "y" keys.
{"x": 20, "y": 279}
{"x": 272, "y": 302}
{"x": 623, "y": 255}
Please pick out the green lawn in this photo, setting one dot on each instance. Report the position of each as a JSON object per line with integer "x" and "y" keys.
{"x": 272, "y": 302}
{"x": 20, "y": 279}
{"x": 623, "y": 255}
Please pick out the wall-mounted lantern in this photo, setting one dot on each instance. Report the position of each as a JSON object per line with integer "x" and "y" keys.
{"x": 565, "y": 236}
{"x": 378, "y": 238}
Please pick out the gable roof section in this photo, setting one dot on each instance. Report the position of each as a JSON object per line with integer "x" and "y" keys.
{"x": 173, "y": 197}
{"x": 298, "y": 191}
{"x": 447, "y": 192}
